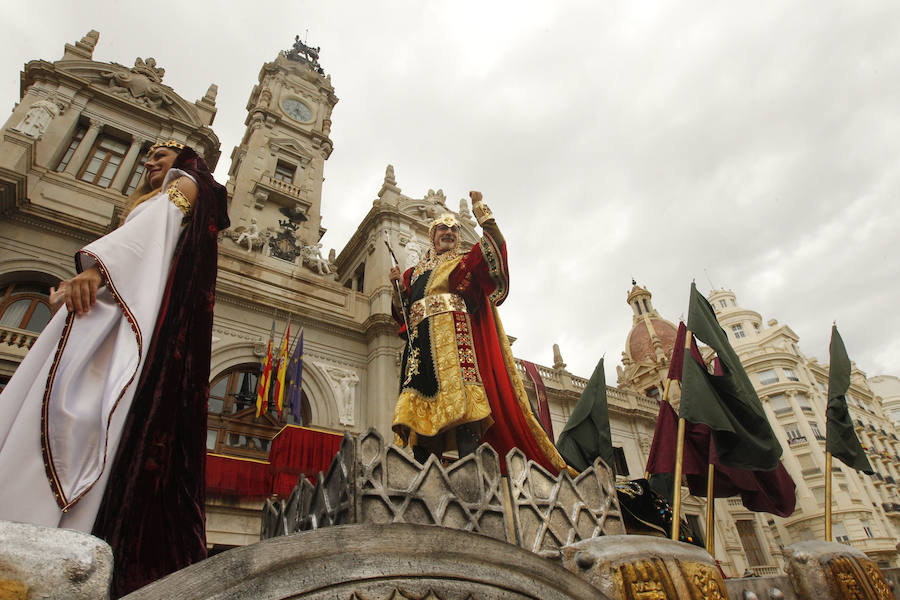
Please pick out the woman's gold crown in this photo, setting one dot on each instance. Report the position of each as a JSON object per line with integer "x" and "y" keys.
{"x": 166, "y": 144}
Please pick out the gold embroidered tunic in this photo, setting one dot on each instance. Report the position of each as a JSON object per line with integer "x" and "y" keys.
{"x": 458, "y": 367}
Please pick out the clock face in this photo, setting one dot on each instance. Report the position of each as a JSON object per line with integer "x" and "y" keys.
{"x": 296, "y": 110}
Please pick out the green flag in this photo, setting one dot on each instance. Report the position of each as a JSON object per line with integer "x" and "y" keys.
{"x": 840, "y": 438}
{"x": 586, "y": 434}
{"x": 727, "y": 403}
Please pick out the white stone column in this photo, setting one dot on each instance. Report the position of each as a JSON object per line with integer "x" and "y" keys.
{"x": 121, "y": 179}
{"x": 81, "y": 152}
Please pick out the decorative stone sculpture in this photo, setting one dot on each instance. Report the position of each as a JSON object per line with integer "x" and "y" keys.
{"x": 39, "y": 115}
{"x": 557, "y": 358}
{"x": 251, "y": 235}
{"x": 636, "y": 566}
{"x": 141, "y": 84}
{"x": 343, "y": 385}
{"x": 312, "y": 258}
{"x": 832, "y": 571}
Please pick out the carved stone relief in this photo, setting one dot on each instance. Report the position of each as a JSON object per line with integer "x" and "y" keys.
{"x": 343, "y": 384}
{"x": 39, "y": 115}
{"x": 141, "y": 84}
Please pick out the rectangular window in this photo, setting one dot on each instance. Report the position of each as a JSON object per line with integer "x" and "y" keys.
{"x": 756, "y": 327}
{"x": 723, "y": 304}
{"x": 211, "y": 435}
{"x": 750, "y": 541}
{"x": 790, "y": 375}
{"x": 767, "y": 376}
{"x": 621, "y": 465}
{"x": 867, "y": 529}
{"x": 803, "y": 402}
{"x": 652, "y": 392}
{"x": 285, "y": 171}
{"x": 815, "y": 429}
{"x": 136, "y": 173}
{"x": 794, "y": 436}
{"x": 738, "y": 331}
{"x": 839, "y": 531}
{"x": 103, "y": 161}
{"x": 135, "y": 178}
{"x": 71, "y": 149}
{"x": 780, "y": 404}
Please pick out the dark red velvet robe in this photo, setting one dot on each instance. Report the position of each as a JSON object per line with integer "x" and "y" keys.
{"x": 153, "y": 508}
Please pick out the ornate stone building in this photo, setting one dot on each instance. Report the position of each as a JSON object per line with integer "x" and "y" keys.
{"x": 70, "y": 154}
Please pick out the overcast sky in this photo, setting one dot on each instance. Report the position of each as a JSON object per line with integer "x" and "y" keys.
{"x": 751, "y": 146}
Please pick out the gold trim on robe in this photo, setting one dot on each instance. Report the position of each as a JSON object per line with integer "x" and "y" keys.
{"x": 461, "y": 397}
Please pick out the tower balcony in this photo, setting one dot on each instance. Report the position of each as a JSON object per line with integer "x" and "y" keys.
{"x": 282, "y": 193}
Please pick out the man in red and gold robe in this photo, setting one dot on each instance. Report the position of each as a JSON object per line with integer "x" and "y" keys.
{"x": 458, "y": 374}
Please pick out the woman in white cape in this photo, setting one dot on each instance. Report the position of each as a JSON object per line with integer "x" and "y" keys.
{"x": 64, "y": 412}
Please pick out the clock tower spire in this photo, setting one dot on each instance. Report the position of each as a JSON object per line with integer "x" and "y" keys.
{"x": 275, "y": 181}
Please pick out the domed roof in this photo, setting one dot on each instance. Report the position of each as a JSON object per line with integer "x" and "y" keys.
{"x": 639, "y": 344}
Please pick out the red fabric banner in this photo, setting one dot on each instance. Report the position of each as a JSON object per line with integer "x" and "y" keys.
{"x": 298, "y": 450}
{"x": 541, "y": 391}
{"x": 232, "y": 477}
{"x": 294, "y": 450}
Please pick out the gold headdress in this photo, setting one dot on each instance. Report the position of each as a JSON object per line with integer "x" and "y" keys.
{"x": 445, "y": 219}
{"x": 166, "y": 144}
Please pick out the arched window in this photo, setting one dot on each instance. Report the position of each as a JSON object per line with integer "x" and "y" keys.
{"x": 233, "y": 427}
{"x": 236, "y": 390}
{"x": 25, "y": 306}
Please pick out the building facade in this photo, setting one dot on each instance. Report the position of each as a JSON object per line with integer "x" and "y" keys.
{"x": 71, "y": 152}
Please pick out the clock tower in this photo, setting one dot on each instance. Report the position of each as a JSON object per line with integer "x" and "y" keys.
{"x": 275, "y": 181}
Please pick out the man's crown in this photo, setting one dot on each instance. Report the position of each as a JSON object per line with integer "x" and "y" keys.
{"x": 445, "y": 219}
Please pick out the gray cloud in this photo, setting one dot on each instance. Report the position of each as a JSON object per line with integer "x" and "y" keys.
{"x": 754, "y": 142}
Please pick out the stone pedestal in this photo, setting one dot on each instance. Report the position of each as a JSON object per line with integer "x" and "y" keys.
{"x": 630, "y": 567}
{"x": 373, "y": 562}
{"x": 832, "y": 571}
{"x": 52, "y": 564}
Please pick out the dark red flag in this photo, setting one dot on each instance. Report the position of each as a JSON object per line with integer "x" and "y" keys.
{"x": 761, "y": 491}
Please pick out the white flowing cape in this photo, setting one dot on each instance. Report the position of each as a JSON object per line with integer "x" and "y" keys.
{"x": 61, "y": 414}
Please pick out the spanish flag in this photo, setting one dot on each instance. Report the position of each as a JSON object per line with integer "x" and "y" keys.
{"x": 282, "y": 367}
{"x": 262, "y": 390}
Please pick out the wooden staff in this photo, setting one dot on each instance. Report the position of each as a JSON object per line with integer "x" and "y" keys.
{"x": 828, "y": 496}
{"x": 711, "y": 511}
{"x": 387, "y": 242}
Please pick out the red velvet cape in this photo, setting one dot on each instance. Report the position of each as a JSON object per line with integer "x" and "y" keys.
{"x": 153, "y": 508}
{"x": 510, "y": 428}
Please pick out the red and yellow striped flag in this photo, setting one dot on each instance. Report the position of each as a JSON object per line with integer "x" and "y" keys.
{"x": 262, "y": 390}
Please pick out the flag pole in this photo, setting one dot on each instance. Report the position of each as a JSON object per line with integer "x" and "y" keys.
{"x": 711, "y": 511}
{"x": 828, "y": 496}
{"x": 679, "y": 459}
{"x": 676, "y": 492}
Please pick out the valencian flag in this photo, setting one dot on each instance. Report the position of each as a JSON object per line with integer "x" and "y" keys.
{"x": 761, "y": 491}
{"x": 293, "y": 393}
{"x": 727, "y": 403}
{"x": 280, "y": 370}
{"x": 840, "y": 438}
{"x": 262, "y": 390}
{"x": 586, "y": 435}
